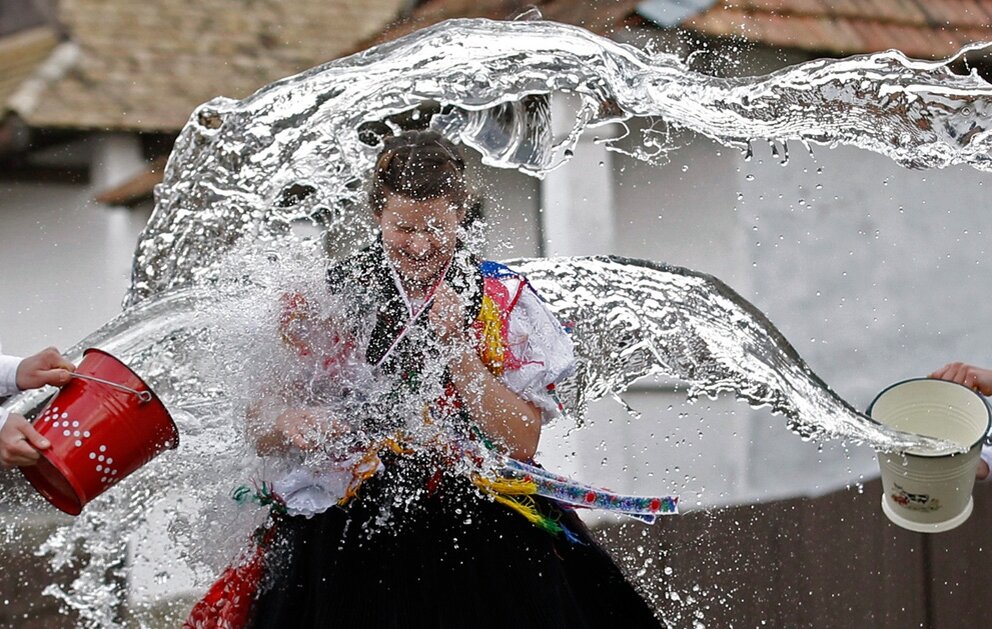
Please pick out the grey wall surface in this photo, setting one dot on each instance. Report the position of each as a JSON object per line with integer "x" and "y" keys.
{"x": 65, "y": 260}
{"x": 875, "y": 273}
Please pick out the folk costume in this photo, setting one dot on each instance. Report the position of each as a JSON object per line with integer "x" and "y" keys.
{"x": 404, "y": 537}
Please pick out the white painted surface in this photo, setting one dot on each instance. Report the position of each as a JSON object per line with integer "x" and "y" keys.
{"x": 867, "y": 292}
{"x": 65, "y": 260}
{"x": 881, "y": 274}
{"x": 577, "y": 197}
{"x": 875, "y": 273}
{"x": 117, "y": 157}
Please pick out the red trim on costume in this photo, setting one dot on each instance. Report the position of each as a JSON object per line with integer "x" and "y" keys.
{"x": 228, "y": 602}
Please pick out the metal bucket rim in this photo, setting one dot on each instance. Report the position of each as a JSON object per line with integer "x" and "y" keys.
{"x": 983, "y": 439}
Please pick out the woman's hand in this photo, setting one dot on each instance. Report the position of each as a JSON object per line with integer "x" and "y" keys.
{"x": 298, "y": 427}
{"x": 447, "y": 315}
{"x": 303, "y": 428}
{"x": 970, "y": 376}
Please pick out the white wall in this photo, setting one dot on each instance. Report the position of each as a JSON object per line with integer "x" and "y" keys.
{"x": 885, "y": 293}
{"x": 66, "y": 259}
{"x": 878, "y": 275}
{"x": 66, "y": 263}
{"x": 510, "y": 209}
{"x": 681, "y": 213}
{"x": 875, "y": 273}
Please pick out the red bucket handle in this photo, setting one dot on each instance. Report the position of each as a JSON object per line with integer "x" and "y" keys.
{"x": 143, "y": 396}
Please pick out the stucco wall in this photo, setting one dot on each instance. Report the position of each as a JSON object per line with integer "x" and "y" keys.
{"x": 66, "y": 263}
{"x": 875, "y": 273}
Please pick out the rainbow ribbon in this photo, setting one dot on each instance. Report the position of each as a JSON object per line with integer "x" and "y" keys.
{"x": 575, "y": 494}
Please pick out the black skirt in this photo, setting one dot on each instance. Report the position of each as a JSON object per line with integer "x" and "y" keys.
{"x": 421, "y": 547}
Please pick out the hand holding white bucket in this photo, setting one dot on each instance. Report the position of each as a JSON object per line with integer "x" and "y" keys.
{"x": 924, "y": 491}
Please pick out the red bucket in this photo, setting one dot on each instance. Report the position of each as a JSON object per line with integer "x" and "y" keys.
{"x": 103, "y": 425}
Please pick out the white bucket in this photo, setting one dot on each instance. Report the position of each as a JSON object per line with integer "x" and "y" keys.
{"x": 923, "y": 492}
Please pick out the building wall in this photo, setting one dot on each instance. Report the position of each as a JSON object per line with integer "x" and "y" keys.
{"x": 879, "y": 275}
{"x": 66, "y": 263}
{"x": 875, "y": 273}
{"x": 677, "y": 214}
{"x": 67, "y": 259}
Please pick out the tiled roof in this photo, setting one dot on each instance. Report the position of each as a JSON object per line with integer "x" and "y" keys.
{"x": 144, "y": 66}
{"x": 20, "y": 55}
{"x": 919, "y": 28}
{"x": 602, "y": 16}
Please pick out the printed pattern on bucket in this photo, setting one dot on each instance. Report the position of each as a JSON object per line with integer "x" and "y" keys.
{"x": 71, "y": 428}
{"x": 914, "y": 502}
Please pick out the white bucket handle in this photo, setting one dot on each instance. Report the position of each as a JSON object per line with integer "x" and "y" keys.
{"x": 143, "y": 396}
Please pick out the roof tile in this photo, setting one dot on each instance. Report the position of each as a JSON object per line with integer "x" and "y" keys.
{"x": 146, "y": 65}
{"x": 931, "y": 29}
{"x": 20, "y": 54}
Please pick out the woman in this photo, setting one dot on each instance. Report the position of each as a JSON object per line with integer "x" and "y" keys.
{"x": 405, "y": 530}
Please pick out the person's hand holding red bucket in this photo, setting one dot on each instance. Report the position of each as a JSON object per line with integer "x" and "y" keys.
{"x": 103, "y": 425}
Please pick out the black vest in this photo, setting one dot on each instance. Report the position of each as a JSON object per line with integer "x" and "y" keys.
{"x": 366, "y": 281}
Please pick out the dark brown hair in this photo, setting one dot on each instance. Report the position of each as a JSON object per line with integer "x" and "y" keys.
{"x": 419, "y": 165}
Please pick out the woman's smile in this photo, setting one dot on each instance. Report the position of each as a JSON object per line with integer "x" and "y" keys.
{"x": 419, "y": 238}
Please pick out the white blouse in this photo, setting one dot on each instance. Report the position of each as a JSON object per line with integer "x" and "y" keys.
{"x": 545, "y": 354}
{"x": 543, "y": 347}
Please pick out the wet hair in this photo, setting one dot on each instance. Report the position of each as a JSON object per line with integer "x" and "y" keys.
{"x": 418, "y": 165}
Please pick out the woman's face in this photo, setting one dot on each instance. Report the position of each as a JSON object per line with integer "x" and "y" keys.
{"x": 419, "y": 237}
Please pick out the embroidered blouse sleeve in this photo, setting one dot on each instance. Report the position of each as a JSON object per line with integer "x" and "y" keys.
{"x": 543, "y": 352}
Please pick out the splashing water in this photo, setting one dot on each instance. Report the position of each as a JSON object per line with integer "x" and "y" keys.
{"x": 215, "y": 254}
{"x": 294, "y": 149}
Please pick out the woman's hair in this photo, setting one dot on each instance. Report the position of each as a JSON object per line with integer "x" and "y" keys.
{"x": 419, "y": 165}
